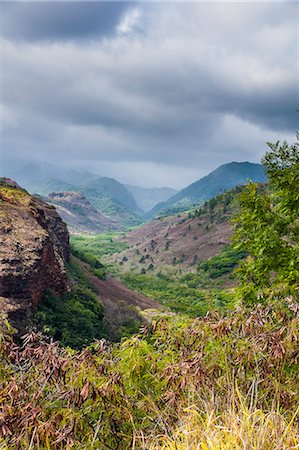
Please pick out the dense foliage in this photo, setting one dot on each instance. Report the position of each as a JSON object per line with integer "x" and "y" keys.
{"x": 222, "y": 263}
{"x": 183, "y": 295}
{"x": 98, "y": 269}
{"x": 76, "y": 319}
{"x": 216, "y": 384}
{"x": 268, "y": 228}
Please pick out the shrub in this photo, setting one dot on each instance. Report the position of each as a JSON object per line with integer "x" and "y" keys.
{"x": 75, "y": 319}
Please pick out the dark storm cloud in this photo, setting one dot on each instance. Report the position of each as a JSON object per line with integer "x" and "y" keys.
{"x": 172, "y": 91}
{"x": 63, "y": 20}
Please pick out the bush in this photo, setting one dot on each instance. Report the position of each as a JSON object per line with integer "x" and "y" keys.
{"x": 222, "y": 263}
{"x": 75, "y": 319}
{"x": 98, "y": 269}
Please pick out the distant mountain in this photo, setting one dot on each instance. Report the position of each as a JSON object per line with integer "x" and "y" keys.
{"x": 79, "y": 214}
{"x": 55, "y": 185}
{"x": 220, "y": 180}
{"x": 113, "y": 199}
{"x": 107, "y": 195}
{"x": 43, "y": 178}
{"x": 147, "y": 198}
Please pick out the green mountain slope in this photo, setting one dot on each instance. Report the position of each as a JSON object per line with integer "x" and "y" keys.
{"x": 113, "y": 199}
{"x": 220, "y": 180}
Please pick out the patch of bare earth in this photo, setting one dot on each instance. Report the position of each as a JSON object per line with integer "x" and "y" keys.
{"x": 172, "y": 242}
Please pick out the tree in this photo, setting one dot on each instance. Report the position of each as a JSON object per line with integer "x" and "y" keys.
{"x": 267, "y": 227}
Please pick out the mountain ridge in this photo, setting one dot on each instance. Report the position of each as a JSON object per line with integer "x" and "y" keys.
{"x": 80, "y": 216}
{"x": 216, "y": 182}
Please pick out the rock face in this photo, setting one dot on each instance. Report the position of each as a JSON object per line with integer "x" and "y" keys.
{"x": 34, "y": 247}
{"x": 79, "y": 214}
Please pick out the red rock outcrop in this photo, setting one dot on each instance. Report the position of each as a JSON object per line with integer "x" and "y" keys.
{"x": 34, "y": 247}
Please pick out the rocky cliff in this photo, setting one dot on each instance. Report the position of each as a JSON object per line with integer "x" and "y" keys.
{"x": 34, "y": 247}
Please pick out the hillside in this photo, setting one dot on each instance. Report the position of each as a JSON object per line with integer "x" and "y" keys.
{"x": 220, "y": 180}
{"x": 107, "y": 195}
{"x": 79, "y": 214}
{"x": 113, "y": 199}
{"x": 147, "y": 198}
{"x": 178, "y": 243}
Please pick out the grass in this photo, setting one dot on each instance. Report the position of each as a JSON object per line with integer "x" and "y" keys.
{"x": 98, "y": 245}
{"x": 13, "y": 194}
{"x": 239, "y": 428}
{"x": 223, "y": 263}
{"x": 183, "y": 294}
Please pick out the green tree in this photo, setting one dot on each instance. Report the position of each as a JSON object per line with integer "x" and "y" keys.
{"x": 267, "y": 227}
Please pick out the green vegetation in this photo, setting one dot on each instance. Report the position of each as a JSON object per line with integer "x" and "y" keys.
{"x": 180, "y": 294}
{"x": 98, "y": 269}
{"x": 228, "y": 381}
{"x": 98, "y": 245}
{"x": 76, "y": 319}
{"x": 223, "y": 263}
{"x": 220, "y": 206}
{"x": 268, "y": 229}
{"x": 216, "y": 384}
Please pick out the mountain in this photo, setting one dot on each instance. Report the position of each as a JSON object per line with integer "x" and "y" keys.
{"x": 147, "y": 198}
{"x": 220, "y": 180}
{"x": 112, "y": 199}
{"x": 55, "y": 185}
{"x": 79, "y": 214}
{"x": 42, "y": 178}
{"x": 107, "y": 195}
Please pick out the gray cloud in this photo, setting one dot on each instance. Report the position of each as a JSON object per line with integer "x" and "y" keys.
{"x": 60, "y": 20}
{"x": 165, "y": 93}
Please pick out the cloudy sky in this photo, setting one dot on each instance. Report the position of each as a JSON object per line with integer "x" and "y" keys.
{"x": 150, "y": 93}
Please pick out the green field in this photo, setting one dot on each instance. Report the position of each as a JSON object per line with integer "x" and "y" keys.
{"x": 98, "y": 245}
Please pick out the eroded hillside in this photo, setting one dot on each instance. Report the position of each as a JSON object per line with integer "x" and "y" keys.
{"x": 79, "y": 214}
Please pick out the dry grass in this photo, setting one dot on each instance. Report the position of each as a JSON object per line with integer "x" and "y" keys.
{"x": 237, "y": 428}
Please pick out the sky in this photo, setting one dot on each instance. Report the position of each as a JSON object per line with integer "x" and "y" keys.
{"x": 150, "y": 93}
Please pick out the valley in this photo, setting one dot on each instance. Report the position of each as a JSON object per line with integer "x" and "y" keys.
{"x": 149, "y": 225}
{"x": 133, "y": 322}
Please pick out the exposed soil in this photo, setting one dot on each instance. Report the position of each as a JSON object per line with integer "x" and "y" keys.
{"x": 176, "y": 242}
